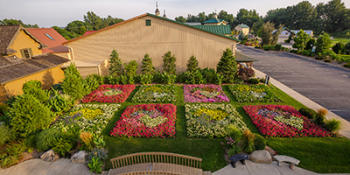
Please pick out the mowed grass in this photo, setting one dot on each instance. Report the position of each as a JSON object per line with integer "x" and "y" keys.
{"x": 323, "y": 155}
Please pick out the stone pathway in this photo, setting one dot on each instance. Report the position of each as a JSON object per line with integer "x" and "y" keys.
{"x": 252, "y": 168}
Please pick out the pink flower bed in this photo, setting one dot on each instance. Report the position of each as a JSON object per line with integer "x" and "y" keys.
{"x": 131, "y": 122}
{"x": 204, "y": 93}
{"x": 109, "y": 94}
{"x": 267, "y": 125}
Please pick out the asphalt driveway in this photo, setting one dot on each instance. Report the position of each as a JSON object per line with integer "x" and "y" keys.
{"x": 327, "y": 85}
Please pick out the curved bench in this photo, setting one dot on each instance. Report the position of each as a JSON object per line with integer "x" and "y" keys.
{"x": 291, "y": 160}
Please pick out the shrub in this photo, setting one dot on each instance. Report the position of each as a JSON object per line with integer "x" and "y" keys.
{"x": 259, "y": 142}
{"x": 130, "y": 71}
{"x": 219, "y": 78}
{"x": 278, "y": 47}
{"x": 248, "y": 141}
{"x": 194, "y": 77}
{"x": 300, "y": 40}
{"x": 209, "y": 75}
{"x": 332, "y": 125}
{"x": 95, "y": 165}
{"x": 33, "y": 88}
{"x": 111, "y": 80}
{"x": 146, "y": 65}
{"x": 125, "y": 79}
{"x": 92, "y": 82}
{"x": 168, "y": 78}
{"x": 115, "y": 64}
{"x": 227, "y": 66}
{"x": 3, "y": 109}
{"x": 59, "y": 103}
{"x": 28, "y": 115}
{"x": 234, "y": 132}
{"x": 310, "y": 44}
{"x": 73, "y": 83}
{"x": 323, "y": 43}
{"x": 5, "y": 134}
{"x": 319, "y": 119}
{"x": 322, "y": 112}
{"x": 347, "y": 48}
{"x": 253, "y": 81}
{"x": 309, "y": 113}
{"x": 306, "y": 52}
{"x": 347, "y": 65}
{"x": 338, "y": 48}
{"x": 146, "y": 78}
{"x": 12, "y": 154}
{"x": 192, "y": 64}
{"x": 169, "y": 65}
{"x": 48, "y": 138}
{"x": 62, "y": 146}
{"x": 86, "y": 137}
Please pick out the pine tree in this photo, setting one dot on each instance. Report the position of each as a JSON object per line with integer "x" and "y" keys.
{"x": 227, "y": 66}
{"x": 147, "y": 67}
{"x": 169, "y": 65}
{"x": 115, "y": 64}
{"x": 73, "y": 83}
{"x": 192, "y": 64}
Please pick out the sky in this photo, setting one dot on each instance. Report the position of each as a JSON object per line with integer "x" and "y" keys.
{"x": 47, "y": 13}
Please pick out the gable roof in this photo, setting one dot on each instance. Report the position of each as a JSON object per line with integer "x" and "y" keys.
{"x": 219, "y": 29}
{"x": 10, "y": 70}
{"x": 144, "y": 15}
{"x": 48, "y": 36}
{"x": 213, "y": 20}
{"x": 243, "y": 26}
{"x": 8, "y": 33}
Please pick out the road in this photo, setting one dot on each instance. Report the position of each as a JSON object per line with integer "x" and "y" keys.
{"x": 326, "y": 84}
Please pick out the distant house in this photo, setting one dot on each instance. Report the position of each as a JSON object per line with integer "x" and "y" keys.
{"x": 215, "y": 21}
{"x": 242, "y": 28}
{"x": 309, "y": 32}
{"x": 16, "y": 41}
{"x": 52, "y": 40}
{"x": 286, "y": 33}
{"x": 15, "y": 72}
{"x": 150, "y": 34}
{"x": 21, "y": 60}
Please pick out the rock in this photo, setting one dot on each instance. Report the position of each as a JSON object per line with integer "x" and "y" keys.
{"x": 49, "y": 156}
{"x": 271, "y": 151}
{"x": 261, "y": 156}
{"x": 79, "y": 157}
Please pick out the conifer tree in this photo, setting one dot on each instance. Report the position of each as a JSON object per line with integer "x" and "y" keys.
{"x": 227, "y": 66}
{"x": 192, "y": 64}
{"x": 115, "y": 64}
{"x": 147, "y": 67}
{"x": 169, "y": 65}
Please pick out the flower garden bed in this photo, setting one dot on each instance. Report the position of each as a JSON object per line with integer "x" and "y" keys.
{"x": 109, "y": 94}
{"x": 252, "y": 93}
{"x": 204, "y": 93}
{"x": 155, "y": 94}
{"x": 146, "y": 120}
{"x": 211, "y": 120}
{"x": 91, "y": 118}
{"x": 283, "y": 121}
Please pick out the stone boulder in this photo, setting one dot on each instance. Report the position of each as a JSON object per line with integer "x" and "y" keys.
{"x": 261, "y": 156}
{"x": 79, "y": 157}
{"x": 49, "y": 156}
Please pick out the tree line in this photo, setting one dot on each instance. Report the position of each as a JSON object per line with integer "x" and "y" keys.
{"x": 324, "y": 17}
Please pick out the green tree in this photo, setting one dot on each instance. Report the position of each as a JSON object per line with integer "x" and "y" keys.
{"x": 338, "y": 48}
{"x": 169, "y": 63}
{"x": 115, "y": 64}
{"x": 248, "y": 17}
{"x": 180, "y": 19}
{"x": 300, "y": 40}
{"x": 227, "y": 66}
{"x": 64, "y": 33}
{"x": 77, "y": 27}
{"x": 34, "y": 88}
{"x": 27, "y": 115}
{"x": 147, "y": 66}
{"x": 110, "y": 21}
{"x": 333, "y": 16}
{"x": 15, "y": 22}
{"x": 269, "y": 34}
{"x": 310, "y": 44}
{"x": 73, "y": 83}
{"x": 130, "y": 71}
{"x": 92, "y": 21}
{"x": 323, "y": 43}
{"x": 192, "y": 64}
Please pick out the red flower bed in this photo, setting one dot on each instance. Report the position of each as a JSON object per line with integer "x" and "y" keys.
{"x": 131, "y": 122}
{"x": 270, "y": 127}
{"x": 109, "y": 94}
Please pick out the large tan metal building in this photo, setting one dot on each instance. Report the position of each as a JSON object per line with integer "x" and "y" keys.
{"x": 149, "y": 34}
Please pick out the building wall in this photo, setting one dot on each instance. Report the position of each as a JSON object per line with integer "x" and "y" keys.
{"x": 47, "y": 77}
{"x": 23, "y": 41}
{"x": 134, "y": 39}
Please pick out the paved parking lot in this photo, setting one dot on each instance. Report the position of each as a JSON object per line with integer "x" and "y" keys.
{"x": 326, "y": 84}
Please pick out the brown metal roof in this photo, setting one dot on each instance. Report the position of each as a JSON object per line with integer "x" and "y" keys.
{"x": 13, "y": 70}
{"x": 6, "y": 35}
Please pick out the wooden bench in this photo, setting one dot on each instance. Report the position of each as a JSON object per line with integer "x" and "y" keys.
{"x": 291, "y": 160}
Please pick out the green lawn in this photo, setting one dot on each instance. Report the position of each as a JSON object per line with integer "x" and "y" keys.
{"x": 343, "y": 40}
{"x": 314, "y": 153}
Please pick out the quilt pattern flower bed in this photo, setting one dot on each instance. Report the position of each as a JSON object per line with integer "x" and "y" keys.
{"x": 91, "y": 118}
{"x": 109, "y": 94}
{"x": 211, "y": 120}
{"x": 146, "y": 120}
{"x": 204, "y": 93}
{"x": 283, "y": 121}
{"x": 252, "y": 93}
{"x": 155, "y": 94}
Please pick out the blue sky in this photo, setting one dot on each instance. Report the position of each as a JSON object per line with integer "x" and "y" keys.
{"x": 47, "y": 13}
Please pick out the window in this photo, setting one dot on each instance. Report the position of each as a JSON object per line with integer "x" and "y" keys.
{"x": 49, "y": 36}
{"x": 26, "y": 53}
{"x": 148, "y": 22}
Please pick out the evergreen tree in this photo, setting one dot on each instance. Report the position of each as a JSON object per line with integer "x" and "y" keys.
{"x": 301, "y": 40}
{"x": 169, "y": 65}
{"x": 147, "y": 66}
{"x": 73, "y": 84}
{"x": 115, "y": 64}
{"x": 323, "y": 43}
{"x": 227, "y": 66}
{"x": 192, "y": 64}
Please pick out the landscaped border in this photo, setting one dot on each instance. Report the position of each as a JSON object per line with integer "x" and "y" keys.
{"x": 252, "y": 93}
{"x": 194, "y": 97}
{"x": 270, "y": 127}
{"x": 131, "y": 126}
{"x": 155, "y": 94}
{"x": 99, "y": 96}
